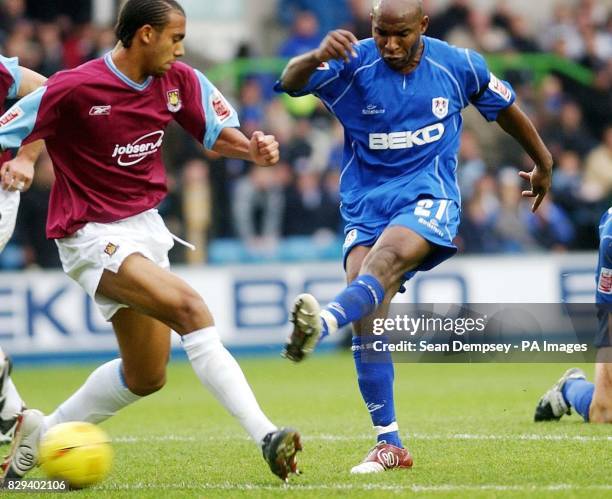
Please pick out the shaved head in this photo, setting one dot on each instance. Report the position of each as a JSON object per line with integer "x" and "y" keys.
{"x": 397, "y": 9}
{"x": 397, "y": 26}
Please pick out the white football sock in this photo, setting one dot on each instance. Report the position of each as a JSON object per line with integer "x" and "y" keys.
{"x": 220, "y": 373}
{"x": 330, "y": 321}
{"x": 102, "y": 395}
{"x": 12, "y": 401}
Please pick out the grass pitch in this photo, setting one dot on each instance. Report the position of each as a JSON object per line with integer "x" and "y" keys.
{"x": 469, "y": 428}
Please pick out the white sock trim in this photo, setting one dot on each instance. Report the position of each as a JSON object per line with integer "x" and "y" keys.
{"x": 330, "y": 320}
{"x": 386, "y": 429}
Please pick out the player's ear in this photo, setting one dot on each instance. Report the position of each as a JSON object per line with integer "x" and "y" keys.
{"x": 145, "y": 34}
{"x": 424, "y": 24}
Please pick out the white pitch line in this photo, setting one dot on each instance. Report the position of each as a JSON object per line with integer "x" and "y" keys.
{"x": 293, "y": 487}
{"x": 348, "y": 438}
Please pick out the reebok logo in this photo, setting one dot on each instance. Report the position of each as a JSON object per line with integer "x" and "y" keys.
{"x": 100, "y": 111}
{"x": 406, "y": 140}
{"x": 134, "y": 153}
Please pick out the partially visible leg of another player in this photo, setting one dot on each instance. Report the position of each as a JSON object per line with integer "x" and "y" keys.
{"x": 374, "y": 275}
{"x": 11, "y": 404}
{"x": 593, "y": 401}
{"x": 157, "y": 300}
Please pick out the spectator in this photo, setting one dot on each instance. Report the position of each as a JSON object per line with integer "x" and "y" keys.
{"x": 258, "y": 205}
{"x": 550, "y": 226}
{"x": 197, "y": 208}
{"x": 598, "y": 169}
{"x": 304, "y": 36}
{"x": 330, "y": 15}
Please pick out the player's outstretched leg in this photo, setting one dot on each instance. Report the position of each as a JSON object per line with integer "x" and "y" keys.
{"x": 100, "y": 397}
{"x": 571, "y": 390}
{"x": 359, "y": 299}
{"x": 11, "y": 404}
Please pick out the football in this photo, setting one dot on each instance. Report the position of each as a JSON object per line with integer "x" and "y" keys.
{"x": 77, "y": 452}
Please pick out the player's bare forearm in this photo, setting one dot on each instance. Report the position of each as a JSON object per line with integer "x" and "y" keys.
{"x": 30, "y": 81}
{"x": 298, "y": 71}
{"x": 31, "y": 151}
{"x": 260, "y": 149}
{"x": 516, "y": 123}
{"x": 338, "y": 44}
{"x": 18, "y": 173}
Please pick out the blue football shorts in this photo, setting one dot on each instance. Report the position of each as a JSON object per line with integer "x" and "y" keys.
{"x": 436, "y": 220}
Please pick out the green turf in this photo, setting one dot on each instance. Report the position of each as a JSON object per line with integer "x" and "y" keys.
{"x": 469, "y": 428}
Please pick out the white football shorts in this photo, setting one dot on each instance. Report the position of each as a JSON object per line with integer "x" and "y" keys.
{"x": 9, "y": 204}
{"x": 104, "y": 246}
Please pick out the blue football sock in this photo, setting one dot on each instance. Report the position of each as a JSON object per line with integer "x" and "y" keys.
{"x": 376, "y": 385}
{"x": 578, "y": 394}
{"x": 359, "y": 299}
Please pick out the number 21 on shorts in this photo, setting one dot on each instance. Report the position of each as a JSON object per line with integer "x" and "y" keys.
{"x": 425, "y": 207}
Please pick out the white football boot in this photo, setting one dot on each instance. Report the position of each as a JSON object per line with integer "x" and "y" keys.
{"x": 25, "y": 448}
{"x": 552, "y": 405}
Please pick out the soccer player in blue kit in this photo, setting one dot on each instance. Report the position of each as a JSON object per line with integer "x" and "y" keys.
{"x": 593, "y": 401}
{"x": 399, "y": 96}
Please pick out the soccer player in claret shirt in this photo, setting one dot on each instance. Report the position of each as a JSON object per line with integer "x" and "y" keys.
{"x": 103, "y": 124}
{"x": 399, "y": 96}
{"x": 15, "y": 177}
{"x": 593, "y": 401}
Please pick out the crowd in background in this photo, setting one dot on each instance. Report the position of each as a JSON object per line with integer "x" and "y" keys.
{"x": 232, "y": 210}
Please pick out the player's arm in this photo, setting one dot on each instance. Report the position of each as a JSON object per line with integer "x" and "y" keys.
{"x": 30, "y": 81}
{"x": 18, "y": 173}
{"x": 261, "y": 149}
{"x": 516, "y": 123}
{"x": 338, "y": 44}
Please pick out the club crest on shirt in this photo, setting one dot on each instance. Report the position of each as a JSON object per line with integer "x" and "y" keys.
{"x": 605, "y": 281}
{"x": 174, "y": 100}
{"x": 220, "y": 107}
{"x": 439, "y": 106}
{"x": 111, "y": 249}
{"x": 324, "y": 66}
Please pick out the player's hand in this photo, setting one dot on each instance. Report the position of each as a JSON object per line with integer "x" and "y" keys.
{"x": 17, "y": 174}
{"x": 264, "y": 149}
{"x": 540, "y": 180}
{"x": 338, "y": 44}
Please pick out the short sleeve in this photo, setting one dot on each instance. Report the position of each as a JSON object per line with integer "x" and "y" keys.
{"x": 10, "y": 70}
{"x": 36, "y": 115}
{"x": 206, "y": 112}
{"x": 488, "y": 93}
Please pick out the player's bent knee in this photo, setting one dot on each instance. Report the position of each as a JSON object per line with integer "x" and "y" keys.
{"x": 190, "y": 311}
{"x": 146, "y": 386}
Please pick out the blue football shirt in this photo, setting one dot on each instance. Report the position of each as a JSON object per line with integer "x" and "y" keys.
{"x": 402, "y": 132}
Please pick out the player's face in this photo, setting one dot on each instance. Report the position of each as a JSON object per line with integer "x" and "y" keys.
{"x": 167, "y": 44}
{"x": 398, "y": 39}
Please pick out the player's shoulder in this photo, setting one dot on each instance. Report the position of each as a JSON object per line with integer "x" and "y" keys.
{"x": 367, "y": 51}
{"x": 79, "y": 76}
{"x": 605, "y": 224}
{"x": 446, "y": 54}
